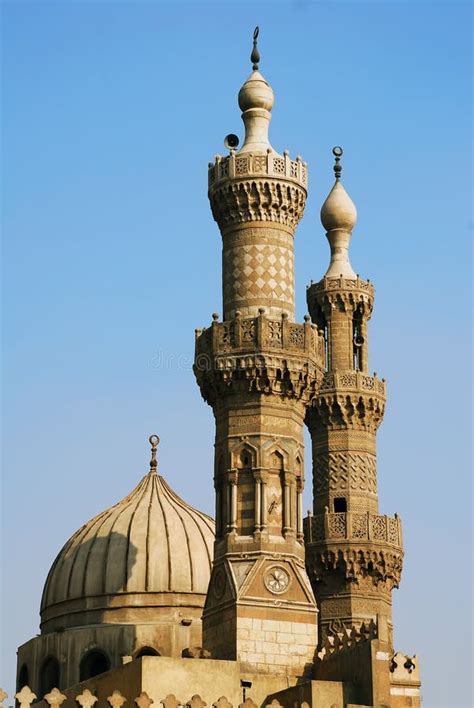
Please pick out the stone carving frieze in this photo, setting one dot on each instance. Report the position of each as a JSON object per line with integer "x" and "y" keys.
{"x": 352, "y": 409}
{"x": 345, "y": 471}
{"x": 257, "y": 199}
{"x": 382, "y": 566}
{"x": 294, "y": 377}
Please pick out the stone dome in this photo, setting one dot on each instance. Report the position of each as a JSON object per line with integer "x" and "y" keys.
{"x": 150, "y": 550}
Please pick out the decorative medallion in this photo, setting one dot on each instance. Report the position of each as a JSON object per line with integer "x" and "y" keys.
{"x": 276, "y": 579}
{"x": 219, "y": 582}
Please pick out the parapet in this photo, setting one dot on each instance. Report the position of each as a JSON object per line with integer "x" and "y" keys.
{"x": 259, "y": 354}
{"x": 405, "y": 680}
{"x": 354, "y": 526}
{"x": 352, "y": 291}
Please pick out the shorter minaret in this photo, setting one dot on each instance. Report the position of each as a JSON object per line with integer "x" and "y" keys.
{"x": 353, "y": 553}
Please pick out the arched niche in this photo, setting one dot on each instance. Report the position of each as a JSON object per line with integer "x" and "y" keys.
{"x": 245, "y": 460}
{"x": 23, "y": 677}
{"x": 146, "y": 651}
{"x": 95, "y": 662}
{"x": 49, "y": 675}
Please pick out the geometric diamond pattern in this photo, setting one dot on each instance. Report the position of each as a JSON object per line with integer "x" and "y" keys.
{"x": 258, "y": 269}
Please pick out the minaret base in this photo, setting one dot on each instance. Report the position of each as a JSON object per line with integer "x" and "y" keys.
{"x": 245, "y": 620}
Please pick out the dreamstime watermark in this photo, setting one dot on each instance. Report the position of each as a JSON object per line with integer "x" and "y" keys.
{"x": 173, "y": 360}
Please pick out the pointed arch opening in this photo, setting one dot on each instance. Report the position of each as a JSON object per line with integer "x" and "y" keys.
{"x": 298, "y": 467}
{"x": 246, "y": 460}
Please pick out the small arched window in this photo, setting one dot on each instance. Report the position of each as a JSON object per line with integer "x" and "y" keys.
{"x": 23, "y": 677}
{"x": 93, "y": 664}
{"x": 320, "y": 320}
{"x": 298, "y": 467}
{"x": 146, "y": 651}
{"x": 245, "y": 459}
{"x": 358, "y": 340}
{"x": 49, "y": 675}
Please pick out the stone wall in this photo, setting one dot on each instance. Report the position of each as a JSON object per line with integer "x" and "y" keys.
{"x": 277, "y": 644}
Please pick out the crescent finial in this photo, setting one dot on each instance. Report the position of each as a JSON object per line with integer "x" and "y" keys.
{"x": 255, "y": 56}
{"x": 154, "y": 441}
{"x": 337, "y": 152}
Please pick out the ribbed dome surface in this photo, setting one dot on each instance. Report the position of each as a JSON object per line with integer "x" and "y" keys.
{"x": 150, "y": 542}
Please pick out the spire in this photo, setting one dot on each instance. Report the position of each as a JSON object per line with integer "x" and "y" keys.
{"x": 256, "y": 101}
{"x": 154, "y": 441}
{"x": 339, "y": 216}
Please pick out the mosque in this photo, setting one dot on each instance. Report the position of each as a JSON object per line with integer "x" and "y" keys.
{"x": 154, "y": 602}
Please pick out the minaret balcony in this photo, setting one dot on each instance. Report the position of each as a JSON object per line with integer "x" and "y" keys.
{"x": 353, "y": 381}
{"x": 260, "y": 187}
{"x": 353, "y": 527}
{"x": 271, "y": 164}
{"x": 359, "y": 545}
{"x": 356, "y": 284}
{"x": 259, "y": 354}
{"x": 352, "y": 291}
{"x": 255, "y": 334}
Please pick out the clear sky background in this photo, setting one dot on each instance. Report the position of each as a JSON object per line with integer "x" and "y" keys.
{"x": 111, "y": 112}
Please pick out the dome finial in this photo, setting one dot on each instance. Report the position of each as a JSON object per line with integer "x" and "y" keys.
{"x": 256, "y": 101}
{"x": 255, "y": 56}
{"x": 339, "y": 216}
{"x": 154, "y": 441}
{"x": 337, "y": 152}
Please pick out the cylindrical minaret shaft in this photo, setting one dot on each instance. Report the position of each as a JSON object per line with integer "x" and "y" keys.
{"x": 257, "y": 197}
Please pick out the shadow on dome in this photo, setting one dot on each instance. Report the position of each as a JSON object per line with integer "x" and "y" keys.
{"x": 87, "y": 575}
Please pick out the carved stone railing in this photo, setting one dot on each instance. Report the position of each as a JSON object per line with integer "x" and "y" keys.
{"x": 342, "y": 283}
{"x": 55, "y": 698}
{"x": 353, "y": 380}
{"x": 237, "y": 166}
{"x": 260, "y": 334}
{"x": 353, "y": 526}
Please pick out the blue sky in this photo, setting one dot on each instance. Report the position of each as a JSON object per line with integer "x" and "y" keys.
{"x": 111, "y": 112}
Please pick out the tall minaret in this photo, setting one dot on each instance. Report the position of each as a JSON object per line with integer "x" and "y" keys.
{"x": 353, "y": 553}
{"x": 258, "y": 370}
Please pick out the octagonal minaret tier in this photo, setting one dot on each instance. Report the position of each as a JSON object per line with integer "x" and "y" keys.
{"x": 258, "y": 369}
{"x": 353, "y": 553}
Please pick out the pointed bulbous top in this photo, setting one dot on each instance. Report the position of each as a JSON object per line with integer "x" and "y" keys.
{"x": 256, "y": 101}
{"x": 256, "y": 93}
{"x": 339, "y": 216}
{"x": 338, "y": 211}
